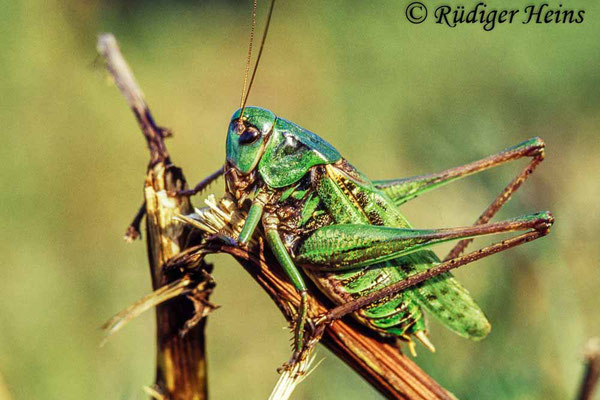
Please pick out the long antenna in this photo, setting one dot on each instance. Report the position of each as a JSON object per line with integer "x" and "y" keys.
{"x": 249, "y": 52}
{"x": 260, "y": 50}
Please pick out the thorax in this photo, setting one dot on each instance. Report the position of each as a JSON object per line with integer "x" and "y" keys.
{"x": 327, "y": 195}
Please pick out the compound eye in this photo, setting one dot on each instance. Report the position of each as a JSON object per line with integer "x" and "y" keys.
{"x": 249, "y": 136}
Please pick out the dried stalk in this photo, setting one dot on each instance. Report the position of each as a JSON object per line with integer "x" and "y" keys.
{"x": 592, "y": 370}
{"x": 180, "y": 360}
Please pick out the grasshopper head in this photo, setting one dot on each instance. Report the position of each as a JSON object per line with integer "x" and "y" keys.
{"x": 246, "y": 141}
{"x": 246, "y": 138}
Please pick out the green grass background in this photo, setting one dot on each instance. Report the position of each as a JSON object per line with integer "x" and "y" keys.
{"x": 396, "y": 99}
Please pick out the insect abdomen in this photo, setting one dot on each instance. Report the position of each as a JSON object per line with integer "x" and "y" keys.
{"x": 396, "y": 315}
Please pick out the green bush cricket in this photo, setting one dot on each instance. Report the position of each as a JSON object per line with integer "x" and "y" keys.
{"x": 325, "y": 220}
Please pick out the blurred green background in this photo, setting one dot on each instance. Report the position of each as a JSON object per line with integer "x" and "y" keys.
{"x": 396, "y": 99}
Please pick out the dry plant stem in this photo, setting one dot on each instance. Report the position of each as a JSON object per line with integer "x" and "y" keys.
{"x": 592, "y": 370}
{"x": 380, "y": 363}
{"x": 181, "y": 365}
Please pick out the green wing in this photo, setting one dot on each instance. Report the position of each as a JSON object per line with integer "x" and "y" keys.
{"x": 446, "y": 299}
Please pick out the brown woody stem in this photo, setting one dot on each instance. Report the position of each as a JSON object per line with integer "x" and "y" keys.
{"x": 592, "y": 370}
{"x": 180, "y": 361}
